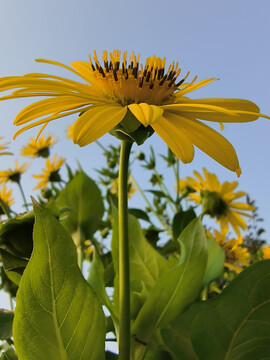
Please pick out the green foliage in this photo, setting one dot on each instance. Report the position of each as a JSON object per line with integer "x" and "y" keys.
{"x": 172, "y": 267}
{"x": 9, "y": 355}
{"x": 6, "y": 320}
{"x": 175, "y": 290}
{"x": 215, "y": 261}
{"x": 53, "y": 295}
{"x": 181, "y": 220}
{"x": 234, "y": 325}
{"x": 146, "y": 264}
{"x": 16, "y": 235}
{"x": 83, "y": 198}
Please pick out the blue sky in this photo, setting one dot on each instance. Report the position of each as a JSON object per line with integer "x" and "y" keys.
{"x": 210, "y": 38}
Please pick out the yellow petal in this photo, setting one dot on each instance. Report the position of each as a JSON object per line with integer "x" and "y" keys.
{"x": 208, "y": 140}
{"x": 244, "y": 110}
{"x": 186, "y": 88}
{"x": 95, "y": 122}
{"x": 241, "y": 206}
{"x": 177, "y": 141}
{"x": 48, "y": 106}
{"x": 145, "y": 113}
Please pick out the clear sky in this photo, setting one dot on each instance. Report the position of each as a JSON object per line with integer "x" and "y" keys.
{"x": 210, "y": 38}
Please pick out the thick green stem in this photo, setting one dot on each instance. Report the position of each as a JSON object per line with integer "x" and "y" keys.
{"x": 124, "y": 281}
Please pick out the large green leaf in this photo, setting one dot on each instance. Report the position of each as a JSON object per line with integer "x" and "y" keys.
{"x": 6, "y": 320}
{"x": 233, "y": 326}
{"x": 176, "y": 289}
{"x": 57, "y": 316}
{"x": 83, "y": 201}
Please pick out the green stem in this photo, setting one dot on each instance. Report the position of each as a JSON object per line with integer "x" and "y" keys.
{"x": 176, "y": 173}
{"x": 23, "y": 196}
{"x": 124, "y": 281}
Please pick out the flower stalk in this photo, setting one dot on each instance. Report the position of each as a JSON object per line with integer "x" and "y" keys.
{"x": 124, "y": 280}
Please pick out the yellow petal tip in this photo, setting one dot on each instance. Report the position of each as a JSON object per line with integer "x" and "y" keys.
{"x": 238, "y": 171}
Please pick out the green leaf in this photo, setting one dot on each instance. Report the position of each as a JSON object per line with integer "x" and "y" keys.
{"x": 6, "y": 320}
{"x": 9, "y": 355}
{"x": 233, "y": 326}
{"x": 16, "y": 235}
{"x": 57, "y": 315}
{"x": 146, "y": 264}
{"x": 13, "y": 266}
{"x": 176, "y": 289}
{"x": 96, "y": 280}
{"x": 181, "y": 220}
{"x": 84, "y": 197}
{"x": 139, "y": 214}
{"x": 176, "y": 335}
{"x": 215, "y": 262}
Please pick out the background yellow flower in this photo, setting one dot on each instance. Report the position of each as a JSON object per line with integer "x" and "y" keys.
{"x": 51, "y": 172}
{"x": 220, "y": 200}
{"x": 39, "y": 147}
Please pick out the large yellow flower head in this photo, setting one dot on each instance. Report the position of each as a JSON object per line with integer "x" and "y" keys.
{"x": 13, "y": 175}
{"x": 40, "y": 147}
{"x": 220, "y": 201}
{"x": 130, "y": 100}
{"x": 51, "y": 172}
{"x": 236, "y": 255}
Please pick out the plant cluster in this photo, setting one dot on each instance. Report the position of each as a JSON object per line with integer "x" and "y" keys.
{"x": 167, "y": 243}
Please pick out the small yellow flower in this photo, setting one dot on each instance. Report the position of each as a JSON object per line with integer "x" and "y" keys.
{"x": 131, "y": 187}
{"x": 6, "y": 196}
{"x": 122, "y": 96}
{"x": 218, "y": 201}
{"x": 69, "y": 132}
{"x": 39, "y": 148}
{"x": 236, "y": 255}
{"x": 4, "y": 147}
{"x": 184, "y": 187}
{"x": 13, "y": 175}
{"x": 51, "y": 173}
{"x": 266, "y": 252}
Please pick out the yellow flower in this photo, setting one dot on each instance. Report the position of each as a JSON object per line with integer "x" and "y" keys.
{"x": 69, "y": 131}
{"x": 13, "y": 174}
{"x": 266, "y": 252}
{"x": 236, "y": 255}
{"x": 123, "y": 96}
{"x": 184, "y": 187}
{"x": 131, "y": 187}
{"x": 218, "y": 201}
{"x": 39, "y": 148}
{"x": 6, "y": 196}
{"x": 50, "y": 173}
{"x": 4, "y": 147}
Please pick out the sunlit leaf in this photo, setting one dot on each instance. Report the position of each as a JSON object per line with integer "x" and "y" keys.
{"x": 146, "y": 264}
{"x": 57, "y": 314}
{"x": 84, "y": 198}
{"x": 215, "y": 262}
{"x": 176, "y": 289}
